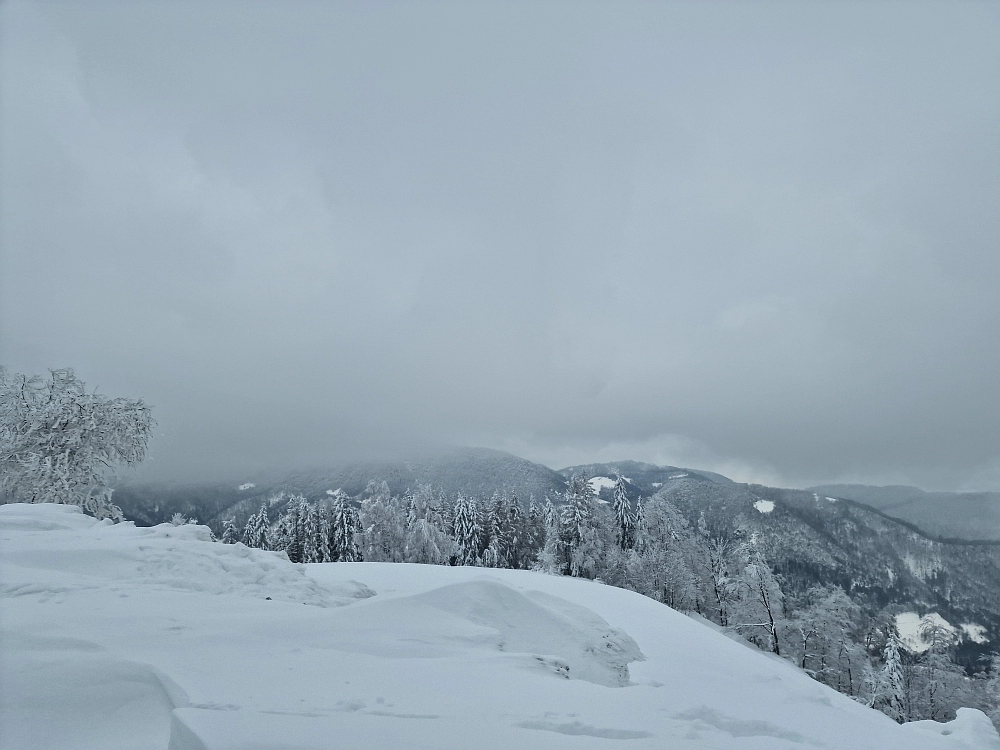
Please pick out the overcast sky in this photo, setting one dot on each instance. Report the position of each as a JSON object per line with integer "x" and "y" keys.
{"x": 757, "y": 238}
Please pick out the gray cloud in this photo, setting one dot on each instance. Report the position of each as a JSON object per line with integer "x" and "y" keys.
{"x": 757, "y": 238}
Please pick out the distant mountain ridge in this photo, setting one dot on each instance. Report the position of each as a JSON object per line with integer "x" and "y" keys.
{"x": 647, "y": 479}
{"x": 477, "y": 472}
{"x": 971, "y": 516}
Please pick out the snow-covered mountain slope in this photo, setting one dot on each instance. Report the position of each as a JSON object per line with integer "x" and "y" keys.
{"x": 952, "y": 515}
{"x": 814, "y": 539}
{"x": 124, "y": 637}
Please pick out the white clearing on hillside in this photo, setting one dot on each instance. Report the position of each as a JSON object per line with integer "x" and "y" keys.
{"x": 599, "y": 482}
{"x": 974, "y": 632}
{"x": 246, "y": 486}
{"x": 911, "y": 625}
{"x": 115, "y": 638}
{"x": 764, "y": 506}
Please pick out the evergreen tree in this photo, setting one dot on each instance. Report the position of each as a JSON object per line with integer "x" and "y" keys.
{"x": 256, "y": 532}
{"x": 889, "y": 694}
{"x": 583, "y": 531}
{"x": 623, "y": 514}
{"x": 289, "y": 533}
{"x": 550, "y": 557}
{"x": 577, "y": 509}
{"x": 230, "y": 534}
{"x": 533, "y": 536}
{"x": 516, "y": 533}
{"x": 312, "y": 541}
{"x": 467, "y": 531}
{"x": 343, "y": 533}
{"x": 336, "y": 533}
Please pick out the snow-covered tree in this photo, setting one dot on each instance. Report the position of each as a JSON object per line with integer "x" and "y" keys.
{"x": 497, "y": 531}
{"x": 532, "y": 536}
{"x": 427, "y": 543}
{"x": 230, "y": 534}
{"x": 313, "y": 548}
{"x": 938, "y": 686}
{"x": 60, "y": 443}
{"x": 760, "y": 607}
{"x": 823, "y": 638}
{"x": 888, "y": 692}
{"x": 586, "y": 529}
{"x": 549, "y": 557}
{"x": 624, "y": 517}
{"x": 384, "y": 523}
{"x": 343, "y": 532}
{"x": 256, "y": 533}
{"x": 289, "y": 533}
{"x": 666, "y": 556}
{"x": 468, "y": 532}
{"x": 426, "y": 540}
{"x": 723, "y": 587}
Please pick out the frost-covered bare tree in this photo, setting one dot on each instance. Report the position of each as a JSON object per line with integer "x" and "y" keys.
{"x": 60, "y": 443}
{"x": 758, "y": 613}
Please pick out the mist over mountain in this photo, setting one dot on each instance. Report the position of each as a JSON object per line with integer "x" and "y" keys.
{"x": 471, "y": 471}
{"x": 957, "y": 515}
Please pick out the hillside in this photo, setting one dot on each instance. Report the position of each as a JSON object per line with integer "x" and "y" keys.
{"x": 646, "y": 479}
{"x": 815, "y": 539}
{"x": 472, "y": 471}
{"x": 163, "y": 639}
{"x": 950, "y": 515}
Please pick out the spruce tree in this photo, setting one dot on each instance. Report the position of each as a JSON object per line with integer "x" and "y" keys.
{"x": 230, "y": 534}
{"x": 311, "y": 542}
{"x": 890, "y": 694}
{"x": 467, "y": 531}
{"x": 623, "y": 515}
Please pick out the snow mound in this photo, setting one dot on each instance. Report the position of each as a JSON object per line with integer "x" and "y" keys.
{"x": 574, "y": 641}
{"x": 62, "y": 538}
{"x": 969, "y": 725}
{"x": 61, "y": 698}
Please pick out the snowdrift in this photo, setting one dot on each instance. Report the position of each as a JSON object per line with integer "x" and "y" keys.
{"x": 121, "y": 637}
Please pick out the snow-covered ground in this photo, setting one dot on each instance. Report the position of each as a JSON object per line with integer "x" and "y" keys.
{"x": 599, "y": 483}
{"x": 911, "y": 630}
{"x": 122, "y": 637}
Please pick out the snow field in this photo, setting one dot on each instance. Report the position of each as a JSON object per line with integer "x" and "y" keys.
{"x": 119, "y": 637}
{"x": 910, "y": 625}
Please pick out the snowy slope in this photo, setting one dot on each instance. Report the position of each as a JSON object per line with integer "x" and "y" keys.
{"x": 118, "y": 637}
